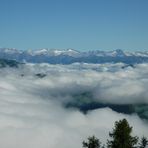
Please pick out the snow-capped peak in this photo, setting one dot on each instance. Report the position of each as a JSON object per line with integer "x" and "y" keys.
{"x": 10, "y": 50}
{"x": 118, "y": 52}
{"x": 71, "y": 55}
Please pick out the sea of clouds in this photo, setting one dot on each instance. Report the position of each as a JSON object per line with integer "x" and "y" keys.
{"x": 32, "y": 113}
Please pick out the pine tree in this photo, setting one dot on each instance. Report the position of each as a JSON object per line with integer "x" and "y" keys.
{"x": 92, "y": 142}
{"x": 121, "y": 136}
{"x": 143, "y": 143}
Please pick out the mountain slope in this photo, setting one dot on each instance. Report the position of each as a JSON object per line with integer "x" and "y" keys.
{"x": 55, "y": 56}
{"x": 10, "y": 63}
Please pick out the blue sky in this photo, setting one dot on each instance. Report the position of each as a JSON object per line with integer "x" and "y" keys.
{"x": 77, "y": 24}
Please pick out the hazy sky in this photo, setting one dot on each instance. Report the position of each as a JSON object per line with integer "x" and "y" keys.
{"x": 78, "y": 24}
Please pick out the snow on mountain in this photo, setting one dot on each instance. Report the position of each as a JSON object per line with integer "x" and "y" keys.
{"x": 37, "y": 52}
{"x": 53, "y": 52}
{"x": 10, "y": 50}
{"x": 69, "y": 52}
{"x": 57, "y": 56}
{"x": 142, "y": 54}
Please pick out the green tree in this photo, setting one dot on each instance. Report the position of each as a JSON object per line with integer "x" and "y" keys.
{"x": 92, "y": 142}
{"x": 121, "y": 136}
{"x": 143, "y": 142}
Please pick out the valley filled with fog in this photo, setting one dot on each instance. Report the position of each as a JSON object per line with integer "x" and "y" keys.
{"x": 44, "y": 105}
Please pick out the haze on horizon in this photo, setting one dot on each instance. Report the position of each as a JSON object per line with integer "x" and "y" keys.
{"x": 81, "y": 25}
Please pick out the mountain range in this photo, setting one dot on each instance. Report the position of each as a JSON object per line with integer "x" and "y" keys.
{"x": 68, "y": 56}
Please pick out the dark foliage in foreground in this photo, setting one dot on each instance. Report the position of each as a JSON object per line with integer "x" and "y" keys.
{"x": 92, "y": 142}
{"x": 120, "y": 137}
{"x": 143, "y": 142}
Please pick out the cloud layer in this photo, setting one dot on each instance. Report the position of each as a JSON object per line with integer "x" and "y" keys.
{"x": 31, "y": 107}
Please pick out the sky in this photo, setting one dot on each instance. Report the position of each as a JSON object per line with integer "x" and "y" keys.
{"x": 76, "y": 24}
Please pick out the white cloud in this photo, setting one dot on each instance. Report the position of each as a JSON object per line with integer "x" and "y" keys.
{"x": 31, "y": 111}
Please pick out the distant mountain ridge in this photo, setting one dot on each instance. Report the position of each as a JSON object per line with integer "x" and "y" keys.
{"x": 68, "y": 56}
